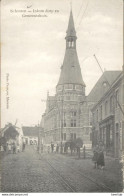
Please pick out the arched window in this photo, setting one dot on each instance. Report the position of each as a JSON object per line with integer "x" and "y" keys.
{"x": 106, "y": 107}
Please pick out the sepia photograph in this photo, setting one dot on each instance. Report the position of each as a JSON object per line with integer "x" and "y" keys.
{"x": 62, "y": 97}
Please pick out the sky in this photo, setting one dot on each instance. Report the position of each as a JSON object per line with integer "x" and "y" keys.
{"x": 33, "y": 48}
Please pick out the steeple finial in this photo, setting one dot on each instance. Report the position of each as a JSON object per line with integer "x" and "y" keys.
{"x": 71, "y": 28}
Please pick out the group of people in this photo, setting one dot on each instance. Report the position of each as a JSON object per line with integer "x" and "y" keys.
{"x": 52, "y": 148}
{"x": 98, "y": 157}
{"x": 13, "y": 148}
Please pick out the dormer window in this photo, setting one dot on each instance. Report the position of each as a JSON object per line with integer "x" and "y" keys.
{"x": 104, "y": 84}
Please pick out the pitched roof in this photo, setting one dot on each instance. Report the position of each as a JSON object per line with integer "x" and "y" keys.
{"x": 102, "y": 85}
{"x": 30, "y": 131}
{"x": 11, "y": 132}
{"x": 71, "y": 29}
{"x": 71, "y": 71}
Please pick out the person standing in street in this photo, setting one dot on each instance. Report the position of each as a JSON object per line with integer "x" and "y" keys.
{"x": 14, "y": 148}
{"x": 57, "y": 148}
{"x": 9, "y": 148}
{"x": 23, "y": 146}
{"x": 100, "y": 159}
{"x": 52, "y": 147}
{"x": 95, "y": 156}
{"x": 48, "y": 149}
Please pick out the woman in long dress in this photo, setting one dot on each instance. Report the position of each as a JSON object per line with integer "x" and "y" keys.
{"x": 100, "y": 160}
{"x": 95, "y": 156}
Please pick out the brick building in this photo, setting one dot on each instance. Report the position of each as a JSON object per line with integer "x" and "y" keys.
{"x": 107, "y": 116}
{"x": 67, "y": 115}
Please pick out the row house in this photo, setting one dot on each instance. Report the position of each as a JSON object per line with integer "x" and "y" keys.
{"x": 107, "y": 114}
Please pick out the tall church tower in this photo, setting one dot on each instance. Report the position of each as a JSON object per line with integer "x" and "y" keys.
{"x": 70, "y": 90}
{"x": 66, "y": 113}
{"x": 70, "y": 70}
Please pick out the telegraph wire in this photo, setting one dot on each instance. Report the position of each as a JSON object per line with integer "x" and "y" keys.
{"x": 79, "y": 11}
{"x": 83, "y": 14}
{"x": 108, "y": 83}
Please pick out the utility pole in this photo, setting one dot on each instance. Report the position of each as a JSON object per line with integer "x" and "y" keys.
{"x": 61, "y": 137}
{"x": 123, "y": 93}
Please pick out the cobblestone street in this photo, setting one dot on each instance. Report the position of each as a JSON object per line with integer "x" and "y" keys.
{"x": 31, "y": 172}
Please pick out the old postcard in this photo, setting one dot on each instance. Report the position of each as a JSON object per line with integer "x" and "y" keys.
{"x": 62, "y": 104}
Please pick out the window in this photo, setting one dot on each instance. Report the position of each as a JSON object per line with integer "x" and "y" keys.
{"x": 101, "y": 112}
{"x": 104, "y": 84}
{"x": 97, "y": 115}
{"x": 106, "y": 107}
{"x": 116, "y": 98}
{"x": 64, "y": 136}
{"x": 64, "y": 119}
{"x": 78, "y": 87}
{"x": 93, "y": 116}
{"x": 73, "y": 118}
{"x": 74, "y": 86}
{"x": 111, "y": 103}
{"x": 73, "y": 136}
{"x": 64, "y": 123}
{"x": 66, "y": 86}
{"x": 73, "y": 122}
{"x": 70, "y": 86}
{"x": 87, "y": 131}
{"x": 73, "y": 113}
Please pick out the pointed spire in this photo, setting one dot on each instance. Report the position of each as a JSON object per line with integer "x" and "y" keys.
{"x": 71, "y": 28}
{"x": 71, "y": 71}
